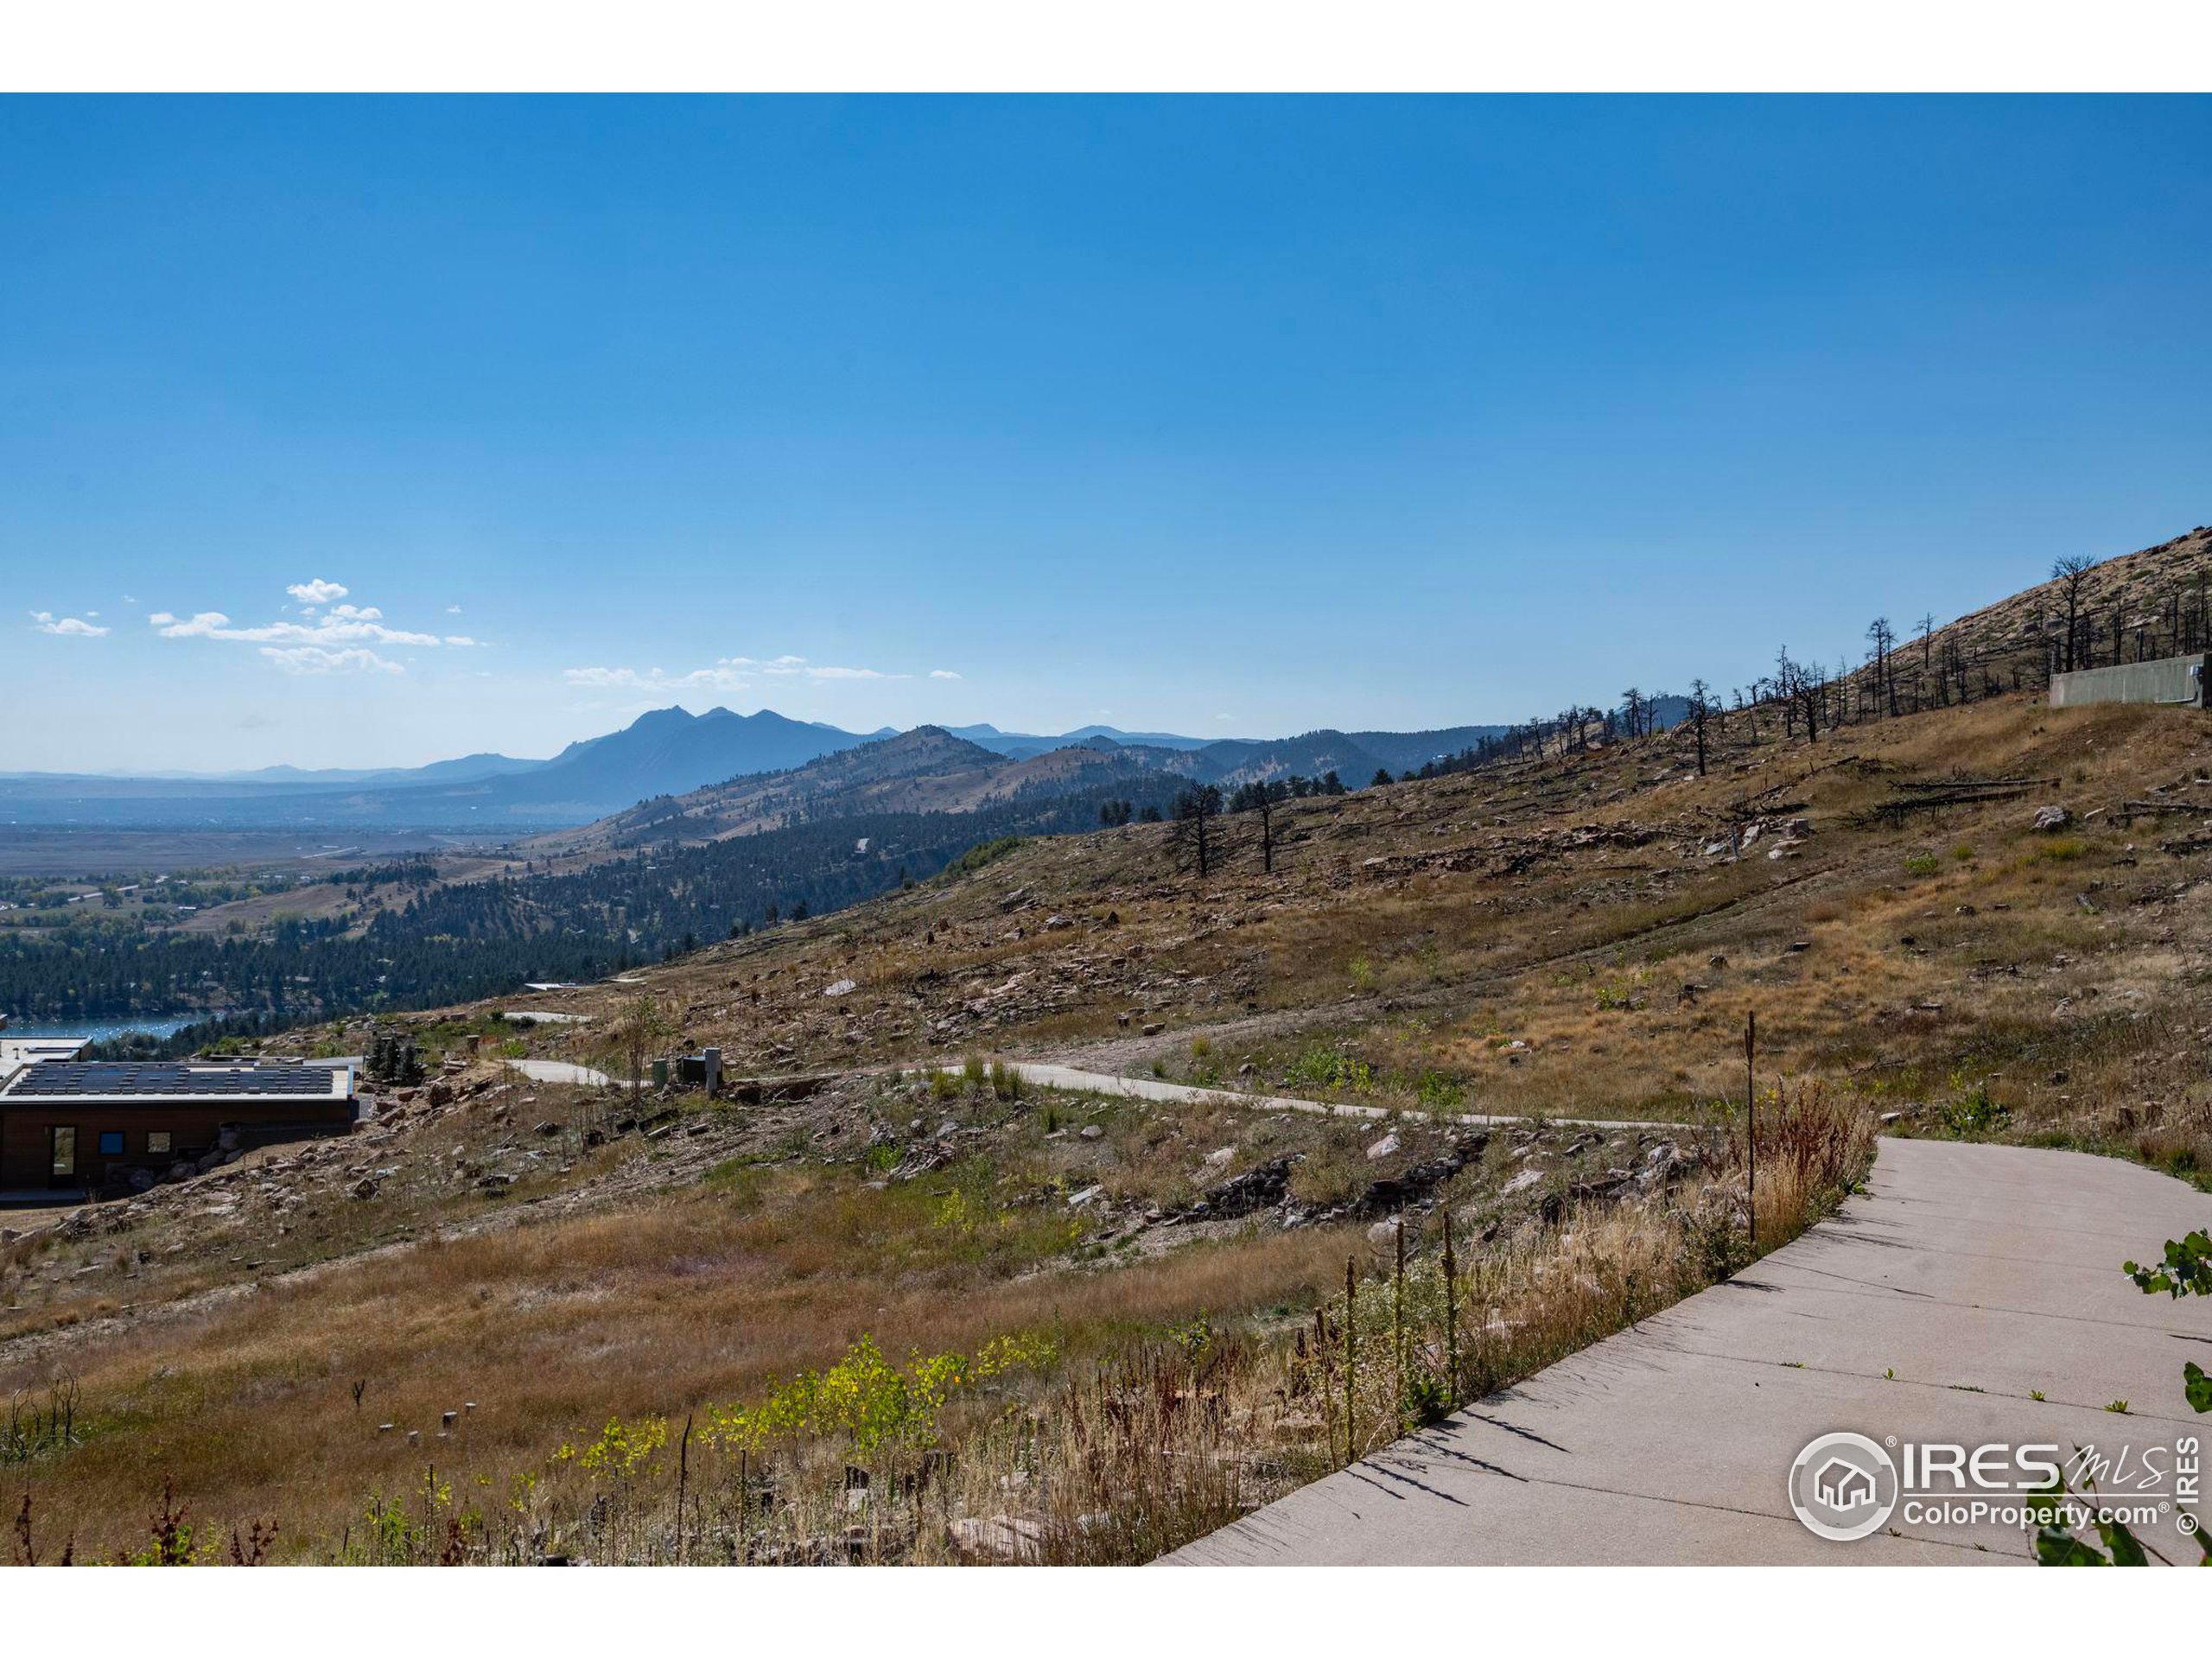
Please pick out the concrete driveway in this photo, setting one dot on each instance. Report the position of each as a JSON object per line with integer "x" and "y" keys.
{"x": 1978, "y": 1274}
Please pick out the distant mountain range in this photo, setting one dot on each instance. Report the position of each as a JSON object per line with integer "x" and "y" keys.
{"x": 673, "y": 753}
{"x": 928, "y": 769}
{"x": 934, "y": 769}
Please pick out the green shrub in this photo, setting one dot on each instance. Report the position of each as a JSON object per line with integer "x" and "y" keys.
{"x": 988, "y": 852}
{"x": 1922, "y": 864}
{"x": 1972, "y": 1113}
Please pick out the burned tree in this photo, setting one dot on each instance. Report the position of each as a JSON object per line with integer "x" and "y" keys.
{"x": 1195, "y": 810}
{"x": 2070, "y": 574}
{"x": 1261, "y": 798}
{"x": 1700, "y": 698}
{"x": 1883, "y": 639}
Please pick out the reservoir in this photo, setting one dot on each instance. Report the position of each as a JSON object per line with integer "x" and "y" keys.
{"x": 101, "y": 1031}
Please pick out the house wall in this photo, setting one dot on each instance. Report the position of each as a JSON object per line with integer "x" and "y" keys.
{"x": 194, "y": 1127}
{"x": 2170, "y": 679}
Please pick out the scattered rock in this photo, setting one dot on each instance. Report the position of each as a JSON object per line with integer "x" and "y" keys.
{"x": 842, "y": 988}
{"x": 1385, "y": 1146}
{"x": 1261, "y": 1187}
{"x": 2051, "y": 819}
{"x": 1091, "y": 1132}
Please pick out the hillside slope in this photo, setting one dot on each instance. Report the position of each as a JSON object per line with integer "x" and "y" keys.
{"x": 925, "y": 770}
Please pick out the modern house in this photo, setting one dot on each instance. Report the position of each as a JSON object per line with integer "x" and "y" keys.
{"x": 2169, "y": 679}
{"x": 94, "y": 1126}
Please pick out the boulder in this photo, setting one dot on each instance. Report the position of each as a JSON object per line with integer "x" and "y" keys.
{"x": 2051, "y": 819}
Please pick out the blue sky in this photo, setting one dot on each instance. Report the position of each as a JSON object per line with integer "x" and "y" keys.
{"x": 1240, "y": 416}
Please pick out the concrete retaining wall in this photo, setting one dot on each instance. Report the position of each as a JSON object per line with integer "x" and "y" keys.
{"x": 2170, "y": 679}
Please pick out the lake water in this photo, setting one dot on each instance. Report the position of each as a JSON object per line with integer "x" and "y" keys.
{"x": 100, "y": 1030}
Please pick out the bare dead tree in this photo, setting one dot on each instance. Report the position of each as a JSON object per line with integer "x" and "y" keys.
{"x": 1196, "y": 809}
{"x": 1883, "y": 637}
{"x": 2070, "y": 573}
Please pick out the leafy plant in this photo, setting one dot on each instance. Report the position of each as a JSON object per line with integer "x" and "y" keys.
{"x": 1972, "y": 1113}
{"x": 2186, "y": 1271}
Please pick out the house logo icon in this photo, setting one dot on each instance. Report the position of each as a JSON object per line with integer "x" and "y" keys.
{"x": 1843, "y": 1486}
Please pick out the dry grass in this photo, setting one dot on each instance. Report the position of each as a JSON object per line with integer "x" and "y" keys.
{"x": 2041, "y": 989}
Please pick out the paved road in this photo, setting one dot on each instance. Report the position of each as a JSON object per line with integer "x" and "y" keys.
{"x": 1102, "y": 1082}
{"x": 1979, "y": 1274}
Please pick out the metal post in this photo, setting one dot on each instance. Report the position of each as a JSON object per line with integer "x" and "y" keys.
{"x": 1350, "y": 1352}
{"x": 1451, "y": 1314}
{"x": 1751, "y": 1128}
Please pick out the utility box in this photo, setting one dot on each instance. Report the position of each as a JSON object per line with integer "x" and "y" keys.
{"x": 2178, "y": 680}
{"x": 701, "y": 1070}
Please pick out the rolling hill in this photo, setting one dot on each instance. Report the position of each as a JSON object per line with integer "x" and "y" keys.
{"x": 927, "y": 770}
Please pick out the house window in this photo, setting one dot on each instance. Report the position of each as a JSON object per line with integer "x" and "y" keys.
{"x": 158, "y": 1141}
{"x": 65, "y": 1149}
{"x": 111, "y": 1143}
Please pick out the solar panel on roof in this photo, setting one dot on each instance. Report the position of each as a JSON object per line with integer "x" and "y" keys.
{"x": 69, "y": 1079}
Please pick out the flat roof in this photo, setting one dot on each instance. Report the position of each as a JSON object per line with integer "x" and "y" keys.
{"x": 146, "y": 1081}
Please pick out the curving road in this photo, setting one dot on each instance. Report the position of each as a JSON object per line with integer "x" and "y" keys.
{"x": 1979, "y": 1275}
{"x": 1105, "y": 1083}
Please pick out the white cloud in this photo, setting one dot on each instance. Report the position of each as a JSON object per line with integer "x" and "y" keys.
{"x": 452, "y": 610}
{"x": 69, "y": 626}
{"x": 343, "y": 625}
{"x": 315, "y": 660}
{"x": 729, "y": 673}
{"x": 330, "y": 636}
{"x": 943, "y": 674}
